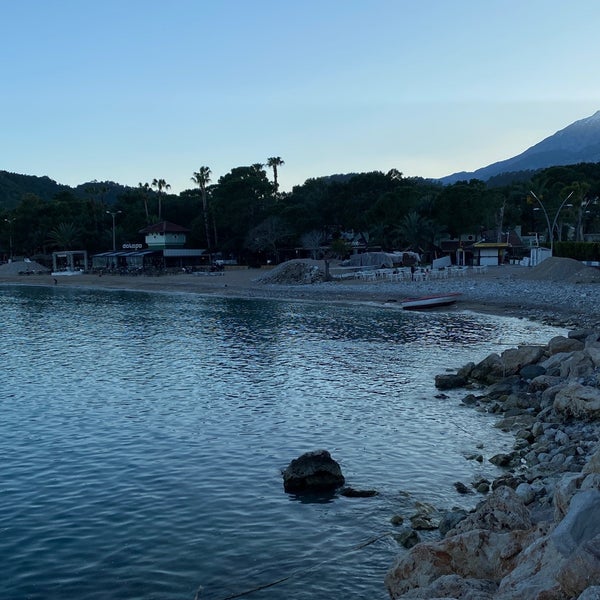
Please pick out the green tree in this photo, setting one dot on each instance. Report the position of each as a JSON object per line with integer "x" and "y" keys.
{"x": 241, "y": 200}
{"x": 65, "y": 236}
{"x": 160, "y": 185}
{"x": 202, "y": 177}
{"x": 274, "y": 162}
{"x": 145, "y": 192}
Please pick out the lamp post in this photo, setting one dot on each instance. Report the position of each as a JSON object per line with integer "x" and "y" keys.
{"x": 551, "y": 227}
{"x": 581, "y": 216}
{"x": 10, "y": 238}
{"x": 113, "y": 215}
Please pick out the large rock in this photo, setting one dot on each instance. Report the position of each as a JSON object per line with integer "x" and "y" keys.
{"x": 591, "y": 593}
{"x": 579, "y": 364}
{"x": 582, "y": 569}
{"x": 534, "y": 575}
{"x": 514, "y": 359}
{"x": 313, "y": 472}
{"x": 592, "y": 349}
{"x": 489, "y": 370}
{"x": 593, "y": 465}
{"x": 554, "y": 363}
{"x": 453, "y": 586}
{"x": 581, "y": 523}
{"x": 478, "y": 554}
{"x": 578, "y": 401}
{"x": 503, "y": 510}
{"x": 449, "y": 381}
{"x": 562, "y": 344}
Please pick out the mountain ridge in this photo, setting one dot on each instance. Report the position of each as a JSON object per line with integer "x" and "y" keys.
{"x": 576, "y": 143}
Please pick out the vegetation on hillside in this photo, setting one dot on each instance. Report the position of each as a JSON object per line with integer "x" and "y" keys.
{"x": 243, "y": 215}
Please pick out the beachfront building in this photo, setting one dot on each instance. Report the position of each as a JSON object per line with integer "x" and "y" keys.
{"x": 487, "y": 254}
{"x": 163, "y": 249}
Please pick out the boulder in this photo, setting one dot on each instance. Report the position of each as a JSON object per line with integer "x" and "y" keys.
{"x": 478, "y": 553}
{"x": 453, "y": 586}
{"x": 579, "y": 364}
{"x": 514, "y": 359}
{"x": 580, "y": 524}
{"x": 554, "y": 363}
{"x": 592, "y": 349}
{"x": 489, "y": 370}
{"x": 593, "y": 465}
{"x": 581, "y": 569}
{"x": 543, "y": 382}
{"x": 530, "y": 372}
{"x": 534, "y": 575}
{"x": 565, "y": 489}
{"x": 578, "y": 401}
{"x": 503, "y": 510}
{"x": 562, "y": 344}
{"x": 313, "y": 472}
{"x": 451, "y": 519}
{"x": 591, "y": 593}
{"x": 449, "y": 381}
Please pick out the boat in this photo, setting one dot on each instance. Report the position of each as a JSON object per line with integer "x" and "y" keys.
{"x": 430, "y": 301}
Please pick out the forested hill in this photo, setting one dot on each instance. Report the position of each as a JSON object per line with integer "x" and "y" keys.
{"x": 14, "y": 186}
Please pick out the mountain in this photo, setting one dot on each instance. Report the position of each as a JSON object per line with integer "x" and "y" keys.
{"x": 13, "y": 186}
{"x": 577, "y": 143}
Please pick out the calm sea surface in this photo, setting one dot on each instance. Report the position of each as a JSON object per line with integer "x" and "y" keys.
{"x": 142, "y": 438}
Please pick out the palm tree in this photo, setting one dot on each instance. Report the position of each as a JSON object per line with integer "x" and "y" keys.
{"x": 202, "y": 177}
{"x": 160, "y": 185}
{"x": 65, "y": 235}
{"x": 274, "y": 162}
{"x": 144, "y": 189}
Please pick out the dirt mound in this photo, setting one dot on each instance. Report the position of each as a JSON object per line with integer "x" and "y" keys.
{"x": 563, "y": 269}
{"x": 294, "y": 272}
{"x": 18, "y": 267}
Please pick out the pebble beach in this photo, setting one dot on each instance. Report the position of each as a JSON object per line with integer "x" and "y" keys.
{"x": 558, "y": 291}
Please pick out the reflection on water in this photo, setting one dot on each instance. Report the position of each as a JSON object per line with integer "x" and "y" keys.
{"x": 143, "y": 435}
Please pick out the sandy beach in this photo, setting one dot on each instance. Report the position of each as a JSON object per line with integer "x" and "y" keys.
{"x": 558, "y": 291}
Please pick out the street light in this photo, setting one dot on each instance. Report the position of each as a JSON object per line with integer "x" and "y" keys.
{"x": 10, "y": 237}
{"x": 113, "y": 215}
{"x": 551, "y": 227}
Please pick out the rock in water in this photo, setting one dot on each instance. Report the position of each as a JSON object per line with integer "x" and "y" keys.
{"x": 313, "y": 472}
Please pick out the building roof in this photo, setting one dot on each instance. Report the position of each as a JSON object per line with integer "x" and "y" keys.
{"x": 164, "y": 227}
{"x": 491, "y": 245}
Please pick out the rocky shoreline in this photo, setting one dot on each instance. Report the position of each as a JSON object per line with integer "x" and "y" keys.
{"x": 536, "y": 534}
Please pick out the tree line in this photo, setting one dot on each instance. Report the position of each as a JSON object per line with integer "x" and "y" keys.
{"x": 244, "y": 215}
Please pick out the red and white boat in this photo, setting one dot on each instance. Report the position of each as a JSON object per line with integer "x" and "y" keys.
{"x": 430, "y": 301}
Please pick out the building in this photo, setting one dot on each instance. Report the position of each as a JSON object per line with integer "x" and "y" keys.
{"x": 163, "y": 250}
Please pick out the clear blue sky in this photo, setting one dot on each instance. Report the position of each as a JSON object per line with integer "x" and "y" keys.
{"x": 131, "y": 90}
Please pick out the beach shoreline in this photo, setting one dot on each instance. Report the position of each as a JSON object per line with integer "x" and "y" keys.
{"x": 507, "y": 290}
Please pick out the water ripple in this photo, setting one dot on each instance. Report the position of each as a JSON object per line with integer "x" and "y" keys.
{"x": 142, "y": 439}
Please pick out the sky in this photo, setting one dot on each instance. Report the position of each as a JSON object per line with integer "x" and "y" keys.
{"x": 132, "y": 90}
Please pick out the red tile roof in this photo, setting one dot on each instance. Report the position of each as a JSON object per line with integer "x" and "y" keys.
{"x": 164, "y": 227}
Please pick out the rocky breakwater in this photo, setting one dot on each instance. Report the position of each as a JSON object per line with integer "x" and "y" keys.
{"x": 536, "y": 534}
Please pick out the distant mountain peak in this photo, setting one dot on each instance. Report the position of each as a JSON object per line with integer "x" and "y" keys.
{"x": 578, "y": 142}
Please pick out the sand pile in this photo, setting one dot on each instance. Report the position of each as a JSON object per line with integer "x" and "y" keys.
{"x": 18, "y": 267}
{"x": 295, "y": 272}
{"x": 563, "y": 269}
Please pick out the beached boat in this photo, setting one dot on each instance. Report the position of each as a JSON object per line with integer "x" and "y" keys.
{"x": 430, "y": 301}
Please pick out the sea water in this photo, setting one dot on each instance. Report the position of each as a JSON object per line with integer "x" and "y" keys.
{"x": 142, "y": 438}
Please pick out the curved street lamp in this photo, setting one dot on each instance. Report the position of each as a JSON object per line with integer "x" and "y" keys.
{"x": 553, "y": 226}
{"x": 113, "y": 215}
